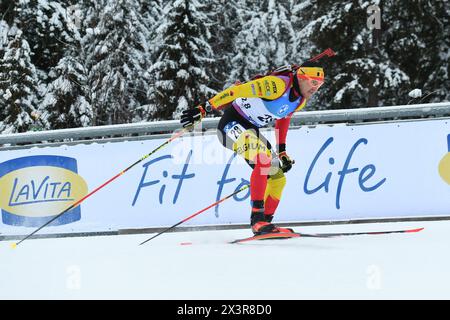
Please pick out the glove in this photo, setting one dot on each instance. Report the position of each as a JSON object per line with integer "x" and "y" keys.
{"x": 191, "y": 116}
{"x": 286, "y": 161}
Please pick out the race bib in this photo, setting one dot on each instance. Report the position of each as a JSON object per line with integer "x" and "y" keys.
{"x": 233, "y": 130}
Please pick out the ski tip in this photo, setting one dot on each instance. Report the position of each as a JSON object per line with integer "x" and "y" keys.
{"x": 13, "y": 245}
{"x": 185, "y": 243}
{"x": 415, "y": 230}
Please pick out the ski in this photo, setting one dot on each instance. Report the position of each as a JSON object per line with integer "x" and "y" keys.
{"x": 268, "y": 236}
{"x": 278, "y": 236}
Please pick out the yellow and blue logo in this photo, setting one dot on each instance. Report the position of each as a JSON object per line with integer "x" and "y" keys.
{"x": 35, "y": 189}
{"x": 444, "y": 164}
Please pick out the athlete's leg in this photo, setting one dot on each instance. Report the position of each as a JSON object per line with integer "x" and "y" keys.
{"x": 257, "y": 153}
{"x": 274, "y": 190}
{"x": 240, "y": 136}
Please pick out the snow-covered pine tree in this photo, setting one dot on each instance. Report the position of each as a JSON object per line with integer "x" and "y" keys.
{"x": 250, "y": 56}
{"x": 179, "y": 74}
{"x": 49, "y": 28}
{"x": 18, "y": 86}
{"x": 223, "y": 19}
{"x": 4, "y": 30}
{"x": 116, "y": 55}
{"x": 46, "y": 28}
{"x": 304, "y": 46}
{"x": 282, "y": 45}
{"x": 7, "y": 9}
{"x": 266, "y": 39}
{"x": 151, "y": 12}
{"x": 64, "y": 104}
{"x": 362, "y": 74}
{"x": 416, "y": 36}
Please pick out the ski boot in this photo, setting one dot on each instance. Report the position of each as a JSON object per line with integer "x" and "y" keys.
{"x": 261, "y": 224}
{"x": 268, "y": 218}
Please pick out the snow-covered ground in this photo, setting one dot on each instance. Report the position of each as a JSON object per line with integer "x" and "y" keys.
{"x": 393, "y": 266}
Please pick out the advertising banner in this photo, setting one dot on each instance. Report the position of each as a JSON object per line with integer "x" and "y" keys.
{"x": 369, "y": 171}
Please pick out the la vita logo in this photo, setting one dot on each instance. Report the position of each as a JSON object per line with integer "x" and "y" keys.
{"x": 444, "y": 164}
{"x": 35, "y": 189}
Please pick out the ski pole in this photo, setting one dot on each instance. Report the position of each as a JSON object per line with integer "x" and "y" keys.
{"x": 178, "y": 134}
{"x": 197, "y": 213}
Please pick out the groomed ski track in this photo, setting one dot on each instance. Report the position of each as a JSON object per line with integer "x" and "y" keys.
{"x": 203, "y": 265}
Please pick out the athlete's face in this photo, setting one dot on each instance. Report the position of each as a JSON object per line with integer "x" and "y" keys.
{"x": 309, "y": 86}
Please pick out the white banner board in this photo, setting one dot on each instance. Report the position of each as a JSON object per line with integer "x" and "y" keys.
{"x": 369, "y": 171}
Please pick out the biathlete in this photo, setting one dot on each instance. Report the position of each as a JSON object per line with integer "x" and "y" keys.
{"x": 250, "y": 110}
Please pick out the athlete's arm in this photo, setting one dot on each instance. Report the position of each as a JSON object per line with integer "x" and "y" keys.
{"x": 268, "y": 87}
{"x": 281, "y": 129}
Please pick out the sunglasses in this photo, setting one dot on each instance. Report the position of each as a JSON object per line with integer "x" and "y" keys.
{"x": 313, "y": 82}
